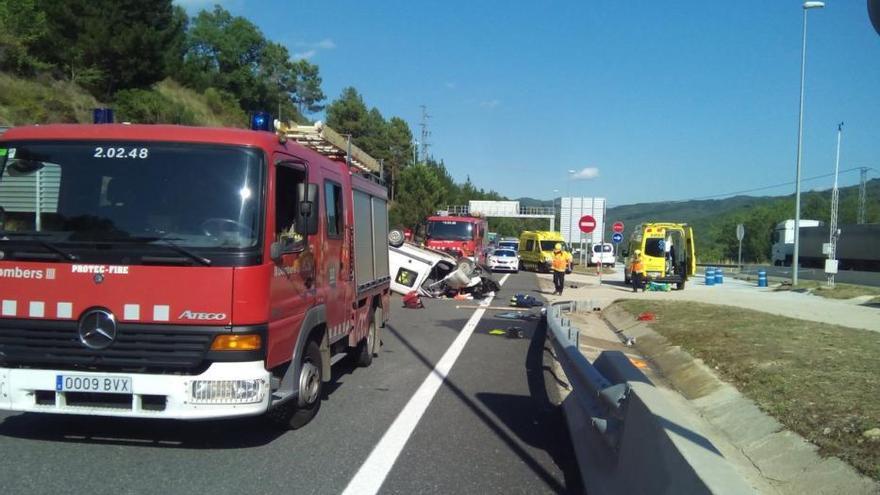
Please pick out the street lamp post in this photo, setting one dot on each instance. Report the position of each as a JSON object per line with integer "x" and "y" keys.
{"x": 797, "y": 194}
{"x": 553, "y": 221}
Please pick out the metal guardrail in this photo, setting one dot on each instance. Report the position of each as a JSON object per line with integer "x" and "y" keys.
{"x": 599, "y": 400}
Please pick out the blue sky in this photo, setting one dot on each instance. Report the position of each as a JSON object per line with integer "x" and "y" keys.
{"x": 667, "y": 100}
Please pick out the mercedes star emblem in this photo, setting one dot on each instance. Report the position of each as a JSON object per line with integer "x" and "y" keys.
{"x": 97, "y": 329}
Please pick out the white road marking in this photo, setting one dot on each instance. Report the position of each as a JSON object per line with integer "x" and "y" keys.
{"x": 372, "y": 473}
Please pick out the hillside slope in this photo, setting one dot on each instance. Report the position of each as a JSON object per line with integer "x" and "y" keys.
{"x": 43, "y": 101}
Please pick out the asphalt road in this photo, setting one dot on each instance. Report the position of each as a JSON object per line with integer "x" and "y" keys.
{"x": 490, "y": 428}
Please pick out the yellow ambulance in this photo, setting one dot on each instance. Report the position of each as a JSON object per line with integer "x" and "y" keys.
{"x": 667, "y": 252}
{"x": 536, "y": 249}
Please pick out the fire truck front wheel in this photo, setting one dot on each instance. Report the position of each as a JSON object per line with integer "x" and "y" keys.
{"x": 297, "y": 413}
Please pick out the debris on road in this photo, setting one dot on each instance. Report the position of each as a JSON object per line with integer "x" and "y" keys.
{"x": 412, "y": 300}
{"x": 525, "y": 301}
{"x": 647, "y": 316}
{"x": 510, "y": 315}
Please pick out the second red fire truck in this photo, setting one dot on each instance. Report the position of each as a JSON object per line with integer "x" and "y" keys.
{"x": 460, "y": 236}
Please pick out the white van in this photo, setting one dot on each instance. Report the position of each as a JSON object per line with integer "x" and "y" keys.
{"x": 413, "y": 267}
{"x": 602, "y": 253}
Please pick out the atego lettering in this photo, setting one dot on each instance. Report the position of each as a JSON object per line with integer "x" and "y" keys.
{"x": 192, "y": 315}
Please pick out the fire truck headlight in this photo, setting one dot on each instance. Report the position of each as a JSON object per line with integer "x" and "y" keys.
{"x": 228, "y": 391}
{"x": 236, "y": 342}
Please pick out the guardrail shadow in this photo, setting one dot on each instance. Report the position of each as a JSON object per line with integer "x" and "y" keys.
{"x": 504, "y": 407}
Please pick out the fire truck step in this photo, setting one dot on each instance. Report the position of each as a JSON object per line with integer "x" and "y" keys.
{"x": 337, "y": 357}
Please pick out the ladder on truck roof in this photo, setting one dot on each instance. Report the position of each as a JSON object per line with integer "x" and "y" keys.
{"x": 330, "y": 143}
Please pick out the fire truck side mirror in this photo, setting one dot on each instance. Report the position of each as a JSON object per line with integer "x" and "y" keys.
{"x": 275, "y": 251}
{"x": 307, "y": 222}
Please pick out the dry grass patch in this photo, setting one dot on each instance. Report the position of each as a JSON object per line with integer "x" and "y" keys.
{"x": 839, "y": 291}
{"x": 821, "y": 381}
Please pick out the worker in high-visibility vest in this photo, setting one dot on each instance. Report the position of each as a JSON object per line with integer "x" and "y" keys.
{"x": 637, "y": 271}
{"x": 560, "y": 264}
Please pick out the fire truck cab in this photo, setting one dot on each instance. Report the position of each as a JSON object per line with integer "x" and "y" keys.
{"x": 462, "y": 237}
{"x": 161, "y": 271}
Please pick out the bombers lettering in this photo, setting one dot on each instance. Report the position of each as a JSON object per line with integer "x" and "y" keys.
{"x": 192, "y": 315}
{"x": 100, "y": 269}
{"x": 17, "y": 272}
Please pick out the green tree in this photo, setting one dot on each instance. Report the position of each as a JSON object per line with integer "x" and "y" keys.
{"x": 22, "y": 25}
{"x": 109, "y": 45}
{"x": 223, "y": 51}
{"x": 400, "y": 148}
{"x": 307, "y": 92}
{"x": 420, "y": 192}
{"x": 349, "y": 115}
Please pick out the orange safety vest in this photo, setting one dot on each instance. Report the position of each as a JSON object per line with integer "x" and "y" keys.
{"x": 560, "y": 261}
{"x": 638, "y": 266}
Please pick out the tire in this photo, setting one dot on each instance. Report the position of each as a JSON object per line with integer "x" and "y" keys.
{"x": 296, "y": 413}
{"x": 679, "y": 285}
{"x": 396, "y": 238}
{"x": 367, "y": 347}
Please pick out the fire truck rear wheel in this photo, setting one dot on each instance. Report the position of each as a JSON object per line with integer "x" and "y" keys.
{"x": 367, "y": 346}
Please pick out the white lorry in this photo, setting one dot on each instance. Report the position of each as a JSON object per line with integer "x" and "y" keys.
{"x": 782, "y": 249}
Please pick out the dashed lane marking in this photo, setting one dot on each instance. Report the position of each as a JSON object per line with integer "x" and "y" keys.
{"x": 372, "y": 473}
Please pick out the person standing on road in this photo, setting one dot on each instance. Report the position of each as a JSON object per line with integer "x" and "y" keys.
{"x": 637, "y": 271}
{"x": 560, "y": 264}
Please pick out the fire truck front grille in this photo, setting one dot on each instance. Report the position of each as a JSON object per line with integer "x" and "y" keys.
{"x": 137, "y": 347}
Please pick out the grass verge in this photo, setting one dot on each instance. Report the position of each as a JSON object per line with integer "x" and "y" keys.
{"x": 839, "y": 291}
{"x": 821, "y": 381}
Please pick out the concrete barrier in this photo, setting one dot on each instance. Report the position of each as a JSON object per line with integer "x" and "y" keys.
{"x": 627, "y": 437}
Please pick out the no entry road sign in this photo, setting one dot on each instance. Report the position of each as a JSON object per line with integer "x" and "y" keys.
{"x": 587, "y": 224}
{"x": 617, "y": 227}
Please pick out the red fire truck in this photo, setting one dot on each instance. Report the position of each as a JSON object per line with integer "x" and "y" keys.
{"x": 462, "y": 237}
{"x": 179, "y": 272}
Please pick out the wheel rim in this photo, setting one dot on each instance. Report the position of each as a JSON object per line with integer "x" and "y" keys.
{"x": 371, "y": 337}
{"x": 309, "y": 383}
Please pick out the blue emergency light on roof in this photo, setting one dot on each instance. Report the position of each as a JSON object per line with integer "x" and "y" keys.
{"x": 102, "y": 116}
{"x": 261, "y": 121}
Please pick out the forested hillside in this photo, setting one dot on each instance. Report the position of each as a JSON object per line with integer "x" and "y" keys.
{"x": 715, "y": 221}
{"x": 153, "y": 63}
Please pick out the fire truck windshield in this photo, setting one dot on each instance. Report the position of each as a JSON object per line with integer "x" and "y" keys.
{"x": 448, "y": 230}
{"x": 82, "y": 193}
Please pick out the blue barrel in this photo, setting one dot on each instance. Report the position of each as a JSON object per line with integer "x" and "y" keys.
{"x": 719, "y": 276}
{"x": 710, "y": 276}
{"x": 762, "y": 278}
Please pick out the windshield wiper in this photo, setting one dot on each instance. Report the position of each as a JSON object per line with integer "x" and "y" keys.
{"x": 5, "y": 236}
{"x": 167, "y": 241}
